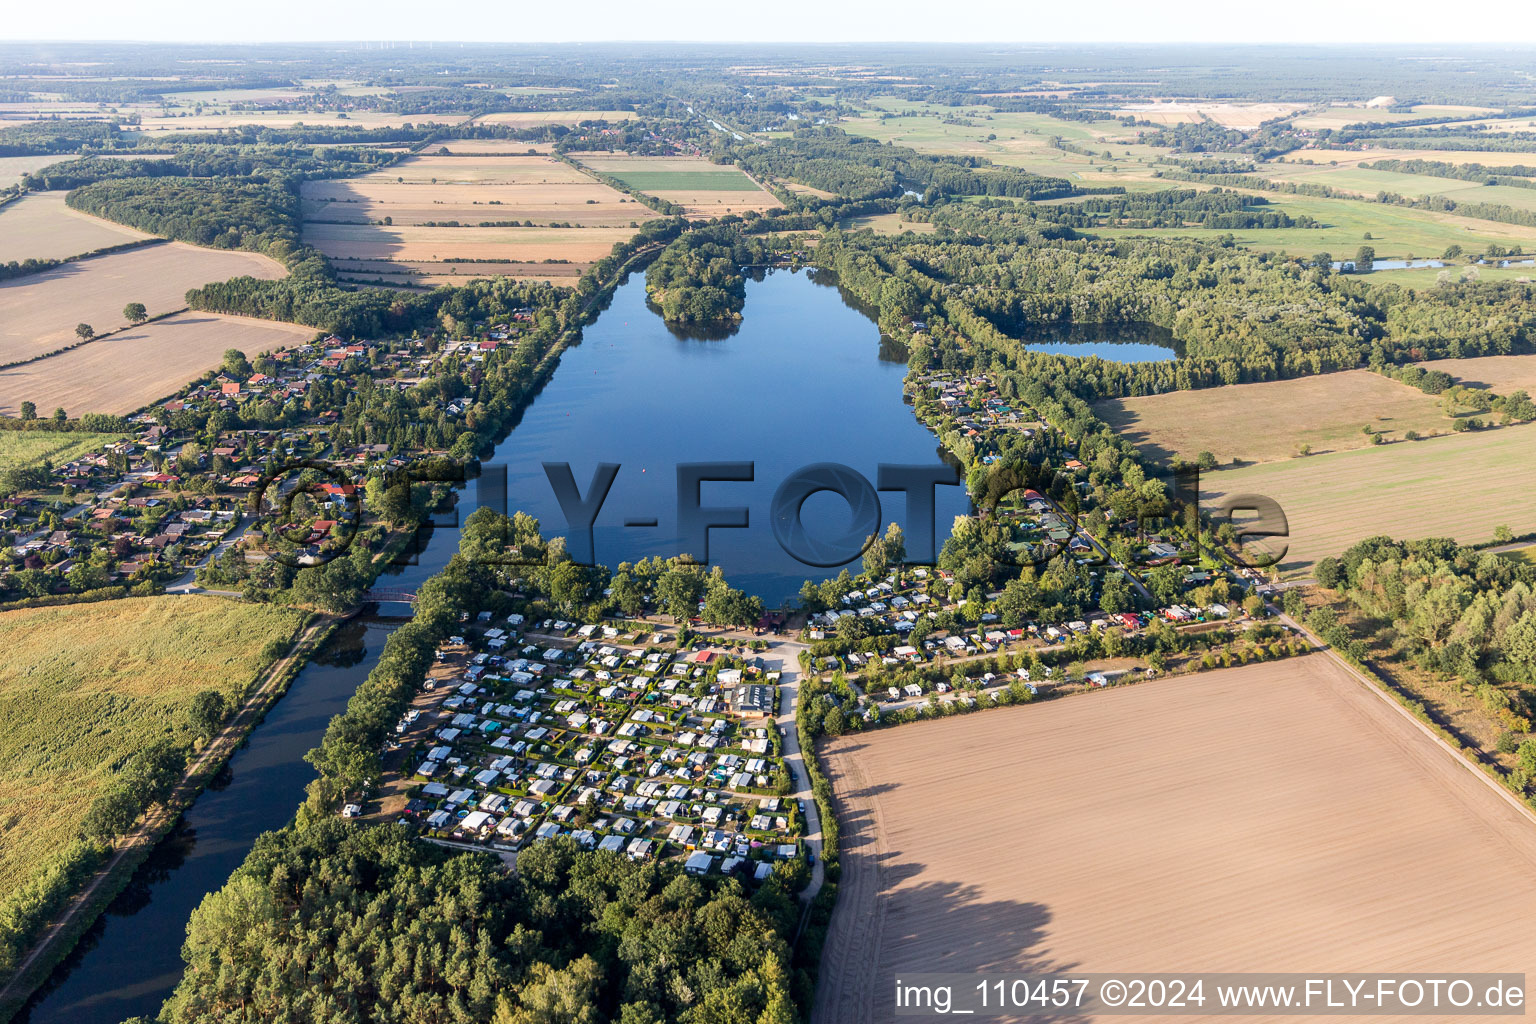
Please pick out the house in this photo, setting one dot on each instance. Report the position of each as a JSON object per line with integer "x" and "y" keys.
{"x": 699, "y": 863}
{"x": 752, "y": 700}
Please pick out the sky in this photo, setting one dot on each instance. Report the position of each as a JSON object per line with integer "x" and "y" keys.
{"x": 1317, "y": 21}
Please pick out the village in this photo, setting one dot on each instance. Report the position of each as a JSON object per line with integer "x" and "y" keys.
{"x": 174, "y": 492}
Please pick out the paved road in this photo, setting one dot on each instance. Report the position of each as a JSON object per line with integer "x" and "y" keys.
{"x": 785, "y": 656}
{"x": 187, "y": 583}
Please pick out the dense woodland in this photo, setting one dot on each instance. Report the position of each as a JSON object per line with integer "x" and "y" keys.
{"x": 1466, "y": 616}
{"x": 333, "y": 922}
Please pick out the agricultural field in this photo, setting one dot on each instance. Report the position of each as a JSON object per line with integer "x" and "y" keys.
{"x": 1243, "y": 116}
{"x": 1502, "y": 374}
{"x": 1463, "y": 486}
{"x": 123, "y": 373}
{"x": 886, "y": 224}
{"x": 1396, "y": 232}
{"x": 1366, "y": 182}
{"x": 151, "y": 126}
{"x": 1339, "y": 115}
{"x": 1435, "y": 277}
{"x": 1013, "y": 139}
{"x": 1351, "y": 157}
{"x": 40, "y": 226}
{"x": 83, "y": 687}
{"x": 1285, "y": 818}
{"x": 1267, "y": 421}
{"x": 534, "y": 118}
{"x": 22, "y": 448}
{"x": 38, "y": 313}
{"x": 397, "y": 225}
{"x": 14, "y": 168}
{"x": 703, "y": 189}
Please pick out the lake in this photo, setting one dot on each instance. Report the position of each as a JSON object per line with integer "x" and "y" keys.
{"x": 1117, "y": 342}
{"x": 805, "y": 379}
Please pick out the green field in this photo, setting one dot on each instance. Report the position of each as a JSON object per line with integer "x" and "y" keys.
{"x": 82, "y": 687}
{"x": 1369, "y": 182}
{"x": 1395, "y": 231}
{"x": 1012, "y": 139}
{"x": 1429, "y": 277}
{"x": 724, "y": 180}
{"x": 22, "y": 448}
{"x": 1463, "y": 486}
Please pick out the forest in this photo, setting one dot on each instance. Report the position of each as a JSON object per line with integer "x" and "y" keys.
{"x": 333, "y": 921}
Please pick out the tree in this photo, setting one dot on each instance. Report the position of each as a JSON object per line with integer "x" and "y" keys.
{"x": 1116, "y": 595}
{"x": 235, "y": 363}
{"x": 1365, "y": 259}
{"x": 85, "y": 332}
{"x": 1205, "y": 460}
{"x": 135, "y": 313}
{"x": 60, "y": 417}
{"x": 678, "y": 591}
{"x": 205, "y": 713}
{"x": 29, "y": 410}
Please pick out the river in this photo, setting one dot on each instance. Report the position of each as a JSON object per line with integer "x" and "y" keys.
{"x": 805, "y": 379}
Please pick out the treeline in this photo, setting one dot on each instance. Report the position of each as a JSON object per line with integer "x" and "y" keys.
{"x": 832, "y": 160}
{"x": 1516, "y": 175}
{"x": 41, "y": 138}
{"x": 331, "y": 920}
{"x": 1459, "y": 613}
{"x": 220, "y": 213}
{"x": 310, "y": 296}
{"x": 1175, "y": 208}
{"x": 262, "y": 162}
{"x": 1272, "y": 139}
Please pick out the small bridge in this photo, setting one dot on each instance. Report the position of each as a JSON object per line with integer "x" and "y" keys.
{"x": 388, "y": 594}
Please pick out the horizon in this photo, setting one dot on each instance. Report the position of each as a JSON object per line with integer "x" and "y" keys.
{"x": 607, "y": 21}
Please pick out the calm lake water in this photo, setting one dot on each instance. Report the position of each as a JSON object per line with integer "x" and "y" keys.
{"x": 1121, "y": 343}
{"x": 805, "y": 379}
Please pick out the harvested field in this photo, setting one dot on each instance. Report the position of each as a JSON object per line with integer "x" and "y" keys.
{"x": 39, "y": 226}
{"x": 1463, "y": 486}
{"x": 126, "y": 371}
{"x": 429, "y": 275}
{"x": 472, "y": 191}
{"x": 38, "y": 313}
{"x": 1244, "y": 116}
{"x": 85, "y": 686}
{"x": 1504, "y": 374}
{"x": 534, "y": 118}
{"x": 1276, "y": 817}
{"x": 435, "y": 245}
{"x": 192, "y": 122}
{"x": 424, "y": 196}
{"x": 702, "y": 188}
{"x": 14, "y": 168}
{"x": 1265, "y": 422}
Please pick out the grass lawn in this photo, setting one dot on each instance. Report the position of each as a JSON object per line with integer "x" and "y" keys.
{"x": 82, "y": 687}
{"x": 22, "y": 448}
